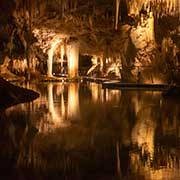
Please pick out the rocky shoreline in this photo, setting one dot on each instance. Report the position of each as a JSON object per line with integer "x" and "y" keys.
{"x": 11, "y": 95}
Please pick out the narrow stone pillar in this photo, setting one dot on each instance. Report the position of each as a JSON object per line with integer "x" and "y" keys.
{"x": 50, "y": 56}
{"x": 73, "y": 59}
{"x": 62, "y": 54}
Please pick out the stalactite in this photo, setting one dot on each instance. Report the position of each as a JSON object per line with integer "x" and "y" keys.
{"x": 75, "y": 4}
{"x": 170, "y": 7}
{"x": 117, "y": 14}
{"x": 60, "y": 8}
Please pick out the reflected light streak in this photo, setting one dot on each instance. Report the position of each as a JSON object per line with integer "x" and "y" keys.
{"x": 144, "y": 131}
{"x": 97, "y": 92}
{"x": 114, "y": 95}
{"x": 63, "y": 109}
{"x": 73, "y": 100}
{"x": 57, "y": 120}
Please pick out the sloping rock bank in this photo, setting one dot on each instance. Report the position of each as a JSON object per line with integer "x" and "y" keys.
{"x": 11, "y": 95}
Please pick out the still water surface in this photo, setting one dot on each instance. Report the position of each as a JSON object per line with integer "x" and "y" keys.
{"x": 80, "y": 131}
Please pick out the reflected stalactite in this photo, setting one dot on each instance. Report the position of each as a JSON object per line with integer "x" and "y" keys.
{"x": 73, "y": 100}
{"x": 119, "y": 173}
{"x": 104, "y": 95}
{"x": 97, "y": 92}
{"x": 112, "y": 95}
{"x": 56, "y": 118}
{"x": 63, "y": 107}
{"x": 94, "y": 89}
{"x": 144, "y": 131}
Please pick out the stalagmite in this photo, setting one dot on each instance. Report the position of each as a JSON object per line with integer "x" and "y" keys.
{"x": 73, "y": 59}
{"x": 117, "y": 14}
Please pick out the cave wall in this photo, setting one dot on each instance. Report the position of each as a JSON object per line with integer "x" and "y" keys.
{"x": 150, "y": 24}
{"x": 148, "y": 21}
{"x": 17, "y": 39}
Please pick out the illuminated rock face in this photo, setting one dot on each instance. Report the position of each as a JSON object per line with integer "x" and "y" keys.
{"x": 142, "y": 36}
{"x": 144, "y": 32}
{"x": 48, "y": 42}
{"x": 143, "y": 39}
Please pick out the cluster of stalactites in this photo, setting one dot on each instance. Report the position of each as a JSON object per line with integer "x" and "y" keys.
{"x": 159, "y": 7}
{"x": 39, "y": 8}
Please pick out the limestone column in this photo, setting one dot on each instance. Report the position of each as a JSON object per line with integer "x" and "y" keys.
{"x": 73, "y": 59}
{"x": 50, "y": 56}
{"x": 62, "y": 54}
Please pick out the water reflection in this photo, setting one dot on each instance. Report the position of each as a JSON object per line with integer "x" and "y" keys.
{"x": 104, "y": 95}
{"x": 73, "y": 100}
{"x": 81, "y": 131}
{"x": 56, "y": 118}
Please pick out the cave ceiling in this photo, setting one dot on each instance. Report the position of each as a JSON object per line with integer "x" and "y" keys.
{"x": 92, "y": 23}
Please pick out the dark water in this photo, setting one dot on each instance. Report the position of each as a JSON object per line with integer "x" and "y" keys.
{"x": 80, "y": 131}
